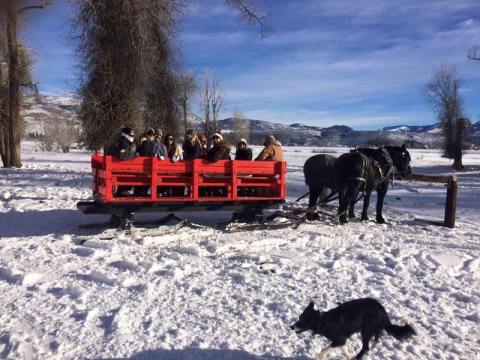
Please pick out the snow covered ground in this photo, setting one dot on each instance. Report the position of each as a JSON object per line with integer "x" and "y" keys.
{"x": 207, "y": 294}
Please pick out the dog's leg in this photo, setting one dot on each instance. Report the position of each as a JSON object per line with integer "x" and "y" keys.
{"x": 365, "y": 340}
{"x": 321, "y": 355}
{"x": 345, "y": 352}
{"x": 375, "y": 342}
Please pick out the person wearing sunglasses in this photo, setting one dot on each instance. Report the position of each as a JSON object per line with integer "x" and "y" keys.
{"x": 170, "y": 144}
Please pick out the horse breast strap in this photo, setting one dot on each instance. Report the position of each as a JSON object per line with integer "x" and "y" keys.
{"x": 364, "y": 165}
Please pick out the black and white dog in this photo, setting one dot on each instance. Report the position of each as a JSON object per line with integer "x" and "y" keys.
{"x": 366, "y": 316}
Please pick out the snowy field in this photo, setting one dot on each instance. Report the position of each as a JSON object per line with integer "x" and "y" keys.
{"x": 207, "y": 294}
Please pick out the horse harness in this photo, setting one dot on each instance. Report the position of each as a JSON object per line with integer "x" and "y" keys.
{"x": 365, "y": 160}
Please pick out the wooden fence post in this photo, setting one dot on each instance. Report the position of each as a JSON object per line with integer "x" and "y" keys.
{"x": 451, "y": 205}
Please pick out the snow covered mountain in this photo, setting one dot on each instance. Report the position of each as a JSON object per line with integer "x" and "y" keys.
{"x": 414, "y": 128}
{"x": 37, "y": 111}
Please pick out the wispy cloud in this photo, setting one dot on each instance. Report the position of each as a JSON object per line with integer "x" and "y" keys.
{"x": 342, "y": 57}
{"x": 363, "y": 63}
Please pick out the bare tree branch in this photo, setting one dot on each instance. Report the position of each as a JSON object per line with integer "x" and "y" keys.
{"x": 43, "y": 5}
{"x": 249, "y": 13}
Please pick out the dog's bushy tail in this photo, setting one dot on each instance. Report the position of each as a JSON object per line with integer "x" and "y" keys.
{"x": 400, "y": 332}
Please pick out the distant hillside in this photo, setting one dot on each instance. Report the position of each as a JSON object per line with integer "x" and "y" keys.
{"x": 36, "y": 112}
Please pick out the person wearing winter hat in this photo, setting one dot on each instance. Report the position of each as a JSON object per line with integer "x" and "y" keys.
{"x": 272, "y": 150}
{"x": 243, "y": 151}
{"x": 219, "y": 150}
{"x": 192, "y": 149}
{"x": 125, "y": 147}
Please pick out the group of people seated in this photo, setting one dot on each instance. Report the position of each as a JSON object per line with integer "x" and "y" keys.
{"x": 153, "y": 144}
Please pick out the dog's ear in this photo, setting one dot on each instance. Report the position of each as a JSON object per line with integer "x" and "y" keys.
{"x": 310, "y": 306}
{"x": 404, "y": 147}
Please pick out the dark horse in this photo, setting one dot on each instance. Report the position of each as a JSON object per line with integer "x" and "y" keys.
{"x": 319, "y": 171}
{"x": 319, "y": 175}
{"x": 366, "y": 170}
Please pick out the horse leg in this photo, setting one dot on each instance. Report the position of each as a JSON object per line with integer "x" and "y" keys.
{"x": 312, "y": 203}
{"x": 342, "y": 203}
{"x": 381, "y": 192}
{"x": 350, "y": 192}
{"x": 353, "y": 198}
{"x": 351, "y": 209}
{"x": 366, "y": 203}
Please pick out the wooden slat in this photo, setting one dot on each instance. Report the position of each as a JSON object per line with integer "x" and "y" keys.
{"x": 427, "y": 178}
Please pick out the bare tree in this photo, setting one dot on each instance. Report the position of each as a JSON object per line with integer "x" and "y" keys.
{"x": 14, "y": 75}
{"x": 59, "y": 133}
{"x": 206, "y": 100}
{"x": 248, "y": 10}
{"x": 212, "y": 101}
{"x": 442, "y": 93}
{"x": 110, "y": 45}
{"x": 127, "y": 66}
{"x": 216, "y": 100}
{"x": 161, "y": 58}
{"x": 186, "y": 89}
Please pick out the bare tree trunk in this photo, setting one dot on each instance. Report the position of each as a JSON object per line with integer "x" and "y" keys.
{"x": 3, "y": 118}
{"x": 14, "y": 120}
{"x": 206, "y": 107}
{"x": 207, "y": 124}
{"x": 184, "y": 109}
{"x": 214, "y": 125}
{"x": 460, "y": 129}
{"x": 457, "y": 161}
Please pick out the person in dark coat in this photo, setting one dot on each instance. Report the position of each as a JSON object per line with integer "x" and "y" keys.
{"x": 146, "y": 148}
{"x": 147, "y": 143}
{"x": 243, "y": 151}
{"x": 219, "y": 150}
{"x": 125, "y": 147}
{"x": 170, "y": 145}
{"x": 192, "y": 149}
{"x": 159, "y": 149}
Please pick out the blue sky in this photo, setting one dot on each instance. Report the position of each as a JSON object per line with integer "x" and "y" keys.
{"x": 362, "y": 63}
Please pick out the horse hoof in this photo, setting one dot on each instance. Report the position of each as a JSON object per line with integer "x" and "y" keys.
{"x": 313, "y": 216}
{"x": 381, "y": 221}
{"x": 351, "y": 216}
{"x": 364, "y": 218}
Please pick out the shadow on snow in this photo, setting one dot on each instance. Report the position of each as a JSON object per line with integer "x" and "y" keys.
{"x": 202, "y": 354}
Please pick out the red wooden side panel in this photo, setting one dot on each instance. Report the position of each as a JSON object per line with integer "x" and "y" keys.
{"x": 155, "y": 180}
